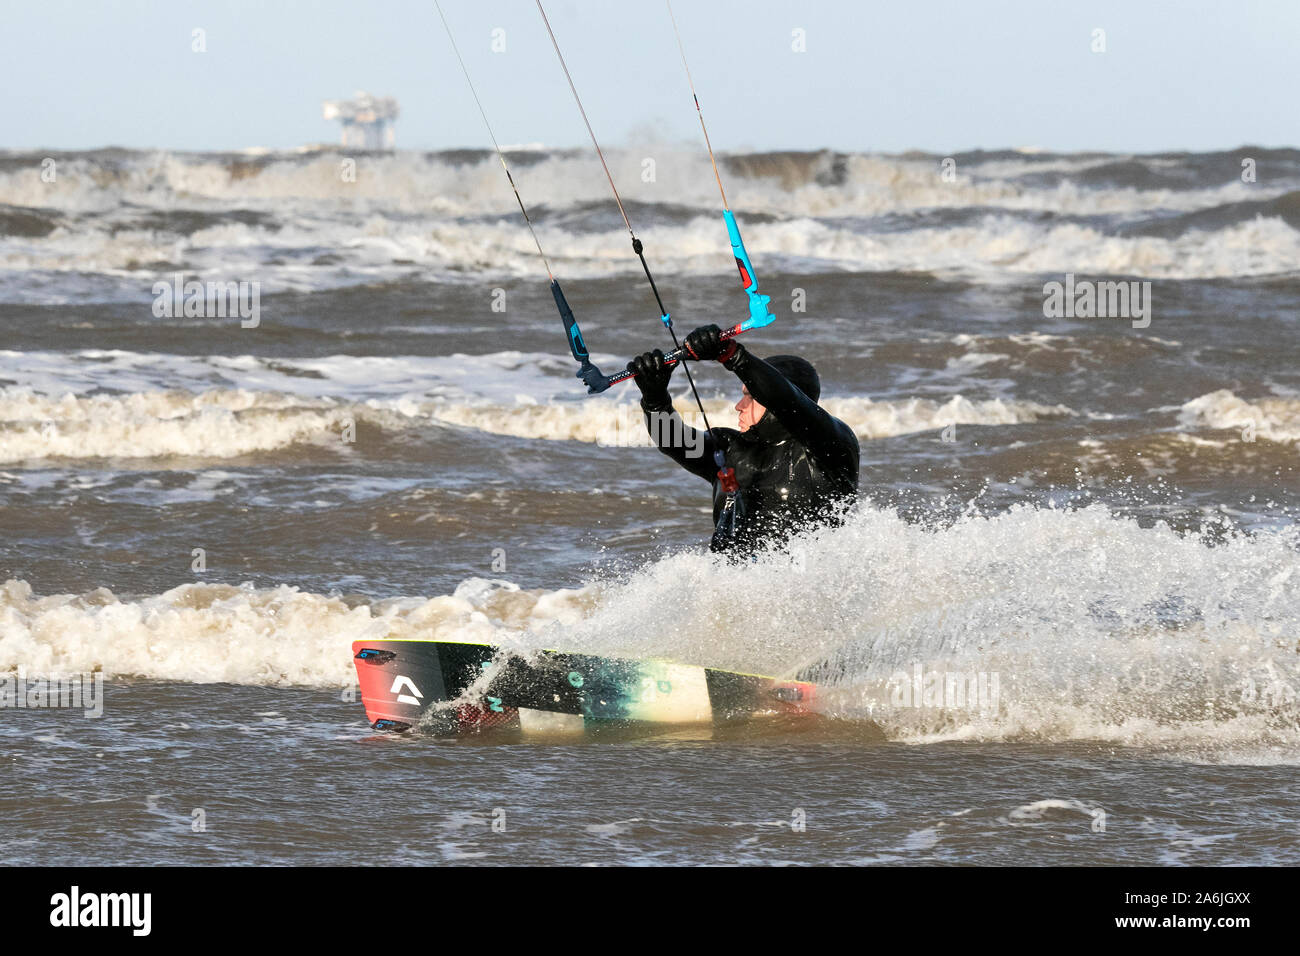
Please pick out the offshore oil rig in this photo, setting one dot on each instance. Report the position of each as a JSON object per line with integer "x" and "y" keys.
{"x": 367, "y": 120}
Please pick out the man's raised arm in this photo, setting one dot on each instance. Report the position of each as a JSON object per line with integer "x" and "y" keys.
{"x": 689, "y": 447}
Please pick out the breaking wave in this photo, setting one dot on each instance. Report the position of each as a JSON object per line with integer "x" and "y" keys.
{"x": 231, "y": 423}
{"x": 292, "y": 222}
{"x": 1095, "y": 627}
{"x": 1273, "y": 419}
{"x": 217, "y": 424}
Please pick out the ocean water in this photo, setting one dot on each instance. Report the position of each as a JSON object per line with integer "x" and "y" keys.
{"x": 1094, "y": 516}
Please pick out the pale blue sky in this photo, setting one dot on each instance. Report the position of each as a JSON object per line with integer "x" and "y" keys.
{"x": 877, "y": 75}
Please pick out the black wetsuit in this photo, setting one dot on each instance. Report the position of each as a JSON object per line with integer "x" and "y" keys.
{"x": 797, "y": 466}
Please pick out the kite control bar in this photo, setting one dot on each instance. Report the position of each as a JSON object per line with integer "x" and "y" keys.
{"x": 596, "y": 382}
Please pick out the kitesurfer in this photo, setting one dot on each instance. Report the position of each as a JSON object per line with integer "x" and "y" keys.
{"x": 795, "y": 464}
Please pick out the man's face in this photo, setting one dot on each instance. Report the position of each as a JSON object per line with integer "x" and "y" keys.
{"x": 750, "y": 410}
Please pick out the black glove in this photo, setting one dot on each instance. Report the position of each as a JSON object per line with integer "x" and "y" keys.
{"x": 706, "y": 343}
{"x": 652, "y": 376}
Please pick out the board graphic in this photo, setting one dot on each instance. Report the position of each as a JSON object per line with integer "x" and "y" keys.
{"x": 445, "y": 687}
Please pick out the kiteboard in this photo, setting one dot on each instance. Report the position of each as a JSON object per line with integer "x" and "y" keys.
{"x": 443, "y": 687}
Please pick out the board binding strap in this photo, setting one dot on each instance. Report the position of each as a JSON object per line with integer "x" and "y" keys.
{"x": 446, "y": 688}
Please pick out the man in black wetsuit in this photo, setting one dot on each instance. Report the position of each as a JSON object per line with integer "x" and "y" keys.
{"x": 795, "y": 464}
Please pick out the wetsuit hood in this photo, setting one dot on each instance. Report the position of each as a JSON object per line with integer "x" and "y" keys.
{"x": 800, "y": 373}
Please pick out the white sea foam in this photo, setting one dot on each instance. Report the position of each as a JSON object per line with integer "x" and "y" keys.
{"x": 1273, "y": 418}
{"x": 203, "y": 633}
{"x": 114, "y": 403}
{"x": 225, "y": 423}
{"x": 217, "y": 424}
{"x": 1098, "y": 628}
{"x": 410, "y": 214}
{"x": 1039, "y": 811}
{"x": 995, "y": 247}
{"x": 863, "y": 185}
{"x": 622, "y": 424}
